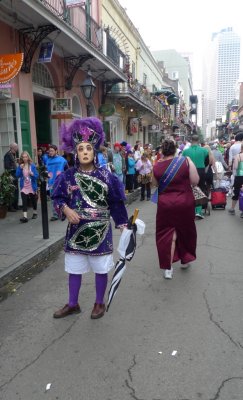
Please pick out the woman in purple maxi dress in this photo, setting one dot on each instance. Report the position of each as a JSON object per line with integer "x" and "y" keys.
{"x": 176, "y": 235}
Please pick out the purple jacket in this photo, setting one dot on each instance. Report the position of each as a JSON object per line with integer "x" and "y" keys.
{"x": 95, "y": 196}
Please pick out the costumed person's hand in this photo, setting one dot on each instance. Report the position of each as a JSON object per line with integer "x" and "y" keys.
{"x": 21, "y": 166}
{"x": 71, "y": 215}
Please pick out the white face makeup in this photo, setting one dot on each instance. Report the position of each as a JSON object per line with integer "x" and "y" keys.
{"x": 85, "y": 153}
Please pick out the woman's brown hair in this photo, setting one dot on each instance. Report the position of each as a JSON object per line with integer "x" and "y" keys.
{"x": 168, "y": 148}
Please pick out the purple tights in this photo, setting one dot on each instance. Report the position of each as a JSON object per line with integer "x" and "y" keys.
{"x": 75, "y": 285}
{"x": 100, "y": 285}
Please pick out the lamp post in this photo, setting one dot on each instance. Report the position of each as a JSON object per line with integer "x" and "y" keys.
{"x": 193, "y": 110}
{"x": 88, "y": 88}
{"x": 218, "y": 125}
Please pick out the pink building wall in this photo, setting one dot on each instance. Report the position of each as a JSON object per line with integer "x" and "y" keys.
{"x": 23, "y": 87}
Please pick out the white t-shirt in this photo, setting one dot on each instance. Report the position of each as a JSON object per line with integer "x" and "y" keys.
{"x": 234, "y": 150}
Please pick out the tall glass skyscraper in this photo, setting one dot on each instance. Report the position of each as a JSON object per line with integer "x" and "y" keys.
{"x": 221, "y": 73}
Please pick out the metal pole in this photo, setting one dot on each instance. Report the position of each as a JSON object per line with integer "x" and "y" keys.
{"x": 44, "y": 210}
{"x": 88, "y": 107}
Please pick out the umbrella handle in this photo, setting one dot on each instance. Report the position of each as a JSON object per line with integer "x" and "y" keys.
{"x": 135, "y": 215}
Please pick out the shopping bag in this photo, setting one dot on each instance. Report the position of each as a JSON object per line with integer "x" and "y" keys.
{"x": 199, "y": 196}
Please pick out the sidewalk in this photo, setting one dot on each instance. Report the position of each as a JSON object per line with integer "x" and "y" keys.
{"x": 22, "y": 245}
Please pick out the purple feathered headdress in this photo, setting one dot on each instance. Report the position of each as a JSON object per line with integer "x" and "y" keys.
{"x": 82, "y": 130}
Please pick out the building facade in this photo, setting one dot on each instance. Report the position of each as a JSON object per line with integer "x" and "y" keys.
{"x": 138, "y": 113}
{"x": 177, "y": 67}
{"x": 61, "y": 41}
{"x": 221, "y": 74}
{"x": 59, "y": 45}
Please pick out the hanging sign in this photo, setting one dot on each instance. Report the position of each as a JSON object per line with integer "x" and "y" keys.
{"x": 62, "y": 106}
{"x": 75, "y": 3}
{"x": 107, "y": 110}
{"x": 133, "y": 126}
{"x": 46, "y": 51}
{"x": 10, "y": 65}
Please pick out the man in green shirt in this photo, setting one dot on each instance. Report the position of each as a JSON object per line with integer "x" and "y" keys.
{"x": 201, "y": 157}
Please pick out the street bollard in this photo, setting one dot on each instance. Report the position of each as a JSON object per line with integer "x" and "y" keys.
{"x": 44, "y": 210}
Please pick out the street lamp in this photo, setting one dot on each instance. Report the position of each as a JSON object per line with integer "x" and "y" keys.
{"x": 218, "y": 126}
{"x": 193, "y": 110}
{"x": 88, "y": 88}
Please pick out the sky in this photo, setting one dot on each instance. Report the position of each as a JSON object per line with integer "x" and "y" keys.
{"x": 185, "y": 25}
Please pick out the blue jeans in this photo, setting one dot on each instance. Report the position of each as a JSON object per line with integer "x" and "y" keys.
{"x": 54, "y": 214}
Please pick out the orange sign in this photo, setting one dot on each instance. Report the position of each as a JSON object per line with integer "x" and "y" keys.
{"x": 10, "y": 65}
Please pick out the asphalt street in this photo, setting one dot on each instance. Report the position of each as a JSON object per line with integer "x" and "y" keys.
{"x": 127, "y": 355}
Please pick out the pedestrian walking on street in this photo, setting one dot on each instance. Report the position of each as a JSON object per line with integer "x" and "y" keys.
{"x": 137, "y": 156}
{"x": 118, "y": 162}
{"x": 88, "y": 195}
{"x": 55, "y": 165}
{"x": 130, "y": 171}
{"x": 238, "y": 180}
{"x": 236, "y": 146}
{"x": 220, "y": 164}
{"x": 28, "y": 175}
{"x": 201, "y": 157}
{"x": 144, "y": 168}
{"x": 176, "y": 234}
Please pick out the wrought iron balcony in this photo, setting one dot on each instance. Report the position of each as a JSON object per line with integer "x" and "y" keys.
{"x": 138, "y": 93}
{"x": 77, "y": 18}
{"x": 87, "y": 28}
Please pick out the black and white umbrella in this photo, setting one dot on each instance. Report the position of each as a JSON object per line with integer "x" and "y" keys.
{"x": 126, "y": 248}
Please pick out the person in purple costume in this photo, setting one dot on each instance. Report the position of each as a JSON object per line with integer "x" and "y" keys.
{"x": 87, "y": 196}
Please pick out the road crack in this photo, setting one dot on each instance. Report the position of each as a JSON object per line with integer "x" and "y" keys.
{"x": 216, "y": 397}
{"x": 129, "y": 381}
{"x": 40, "y": 354}
{"x": 211, "y": 317}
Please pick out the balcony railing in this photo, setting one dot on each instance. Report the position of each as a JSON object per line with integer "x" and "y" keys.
{"x": 139, "y": 92}
{"x": 77, "y": 18}
{"x": 87, "y": 28}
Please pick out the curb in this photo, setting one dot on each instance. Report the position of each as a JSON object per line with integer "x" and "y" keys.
{"x": 22, "y": 267}
{"x": 131, "y": 197}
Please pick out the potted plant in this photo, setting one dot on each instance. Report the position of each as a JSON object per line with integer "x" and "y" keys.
{"x": 7, "y": 190}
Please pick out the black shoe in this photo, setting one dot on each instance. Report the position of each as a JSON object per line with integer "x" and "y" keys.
{"x": 34, "y": 216}
{"x": 148, "y": 198}
{"x": 11, "y": 209}
{"x": 24, "y": 219}
{"x": 53, "y": 218}
{"x": 141, "y": 199}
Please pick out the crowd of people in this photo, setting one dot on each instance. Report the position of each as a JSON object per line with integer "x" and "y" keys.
{"x": 88, "y": 183}
{"x": 133, "y": 166}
